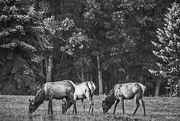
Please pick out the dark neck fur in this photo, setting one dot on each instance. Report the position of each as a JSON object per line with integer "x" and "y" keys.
{"x": 40, "y": 97}
{"x": 110, "y": 98}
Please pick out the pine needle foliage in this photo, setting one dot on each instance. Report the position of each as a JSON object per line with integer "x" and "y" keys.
{"x": 167, "y": 48}
{"x": 22, "y": 44}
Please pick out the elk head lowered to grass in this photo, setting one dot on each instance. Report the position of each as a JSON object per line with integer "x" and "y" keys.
{"x": 53, "y": 90}
{"x": 82, "y": 91}
{"x": 124, "y": 91}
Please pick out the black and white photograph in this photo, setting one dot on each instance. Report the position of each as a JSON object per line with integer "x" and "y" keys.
{"x": 89, "y": 60}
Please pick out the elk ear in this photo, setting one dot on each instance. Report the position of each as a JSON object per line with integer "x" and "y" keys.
{"x": 104, "y": 96}
{"x": 31, "y": 101}
{"x": 103, "y": 101}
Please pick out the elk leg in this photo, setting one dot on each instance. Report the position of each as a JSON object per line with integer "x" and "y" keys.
{"x": 82, "y": 100}
{"x": 50, "y": 106}
{"x": 75, "y": 108}
{"x": 64, "y": 105}
{"x": 92, "y": 103}
{"x": 117, "y": 101}
{"x": 50, "y": 103}
{"x": 69, "y": 103}
{"x": 90, "y": 99}
{"x": 122, "y": 103}
{"x": 73, "y": 111}
{"x": 72, "y": 100}
{"x": 143, "y": 104}
{"x": 137, "y": 106}
{"x": 91, "y": 108}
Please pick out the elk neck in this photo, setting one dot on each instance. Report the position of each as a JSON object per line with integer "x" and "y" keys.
{"x": 110, "y": 97}
{"x": 40, "y": 97}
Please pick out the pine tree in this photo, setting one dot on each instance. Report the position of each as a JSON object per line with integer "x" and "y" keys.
{"x": 22, "y": 45}
{"x": 167, "y": 48}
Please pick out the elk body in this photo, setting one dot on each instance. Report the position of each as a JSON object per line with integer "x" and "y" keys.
{"x": 120, "y": 92}
{"x": 53, "y": 90}
{"x": 82, "y": 91}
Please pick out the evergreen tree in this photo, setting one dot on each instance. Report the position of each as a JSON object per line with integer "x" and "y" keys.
{"x": 22, "y": 45}
{"x": 167, "y": 48}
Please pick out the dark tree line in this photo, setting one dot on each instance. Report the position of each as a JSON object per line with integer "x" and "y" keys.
{"x": 106, "y": 41}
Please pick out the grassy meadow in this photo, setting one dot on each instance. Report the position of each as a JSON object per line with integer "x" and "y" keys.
{"x": 15, "y": 108}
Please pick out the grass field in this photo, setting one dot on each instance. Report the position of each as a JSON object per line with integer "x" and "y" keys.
{"x": 15, "y": 108}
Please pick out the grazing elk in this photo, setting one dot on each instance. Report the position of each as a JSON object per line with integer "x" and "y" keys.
{"x": 124, "y": 91}
{"x": 82, "y": 91}
{"x": 53, "y": 90}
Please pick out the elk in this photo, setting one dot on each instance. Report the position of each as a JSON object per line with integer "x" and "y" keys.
{"x": 124, "y": 91}
{"x": 82, "y": 91}
{"x": 53, "y": 90}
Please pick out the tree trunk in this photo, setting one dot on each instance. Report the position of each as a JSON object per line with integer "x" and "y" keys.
{"x": 99, "y": 76}
{"x": 106, "y": 88}
{"x": 141, "y": 79}
{"x": 46, "y": 67}
{"x": 157, "y": 86}
{"x": 49, "y": 65}
{"x": 91, "y": 74}
{"x": 127, "y": 78}
{"x": 42, "y": 78}
{"x": 82, "y": 75}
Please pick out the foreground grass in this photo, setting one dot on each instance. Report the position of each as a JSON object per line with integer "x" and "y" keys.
{"x": 15, "y": 108}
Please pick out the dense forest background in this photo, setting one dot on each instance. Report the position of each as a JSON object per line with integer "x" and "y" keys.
{"x": 105, "y": 41}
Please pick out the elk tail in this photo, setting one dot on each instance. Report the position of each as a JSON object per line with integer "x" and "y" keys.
{"x": 93, "y": 86}
{"x": 143, "y": 88}
{"x": 89, "y": 88}
{"x": 72, "y": 83}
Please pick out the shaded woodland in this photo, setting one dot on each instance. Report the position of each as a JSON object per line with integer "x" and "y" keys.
{"x": 105, "y": 41}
